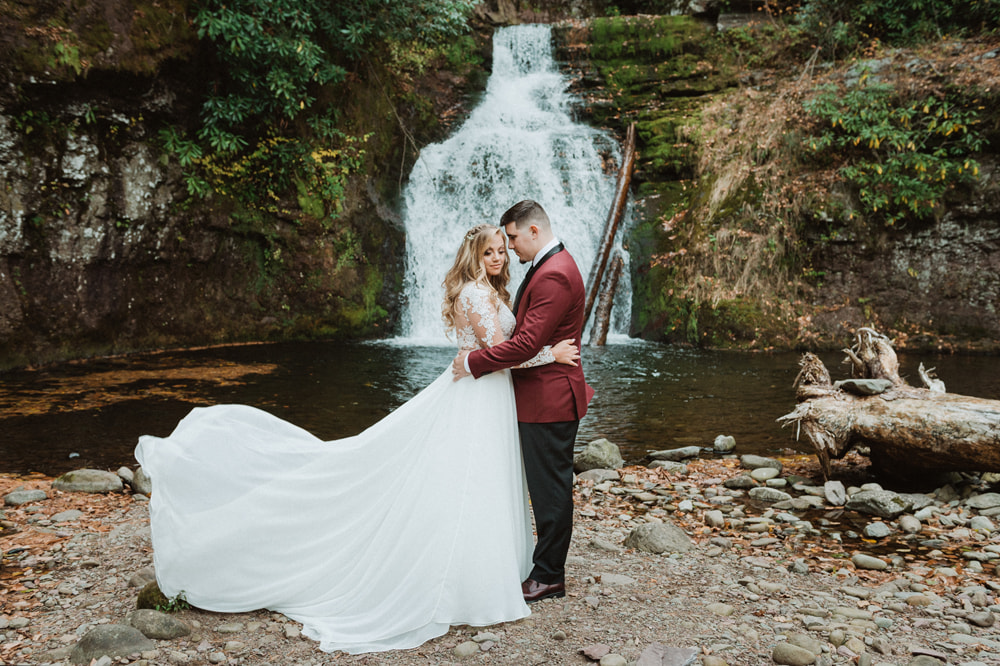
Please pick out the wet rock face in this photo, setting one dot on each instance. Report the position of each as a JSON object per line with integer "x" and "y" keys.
{"x": 103, "y": 250}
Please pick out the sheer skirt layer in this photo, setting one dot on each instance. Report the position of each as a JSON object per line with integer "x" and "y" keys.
{"x": 375, "y": 542}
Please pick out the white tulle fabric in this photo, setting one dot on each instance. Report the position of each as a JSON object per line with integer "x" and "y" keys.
{"x": 376, "y": 542}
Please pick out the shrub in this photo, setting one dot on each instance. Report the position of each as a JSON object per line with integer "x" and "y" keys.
{"x": 900, "y": 155}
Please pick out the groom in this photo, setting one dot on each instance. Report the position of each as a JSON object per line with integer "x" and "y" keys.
{"x": 551, "y": 399}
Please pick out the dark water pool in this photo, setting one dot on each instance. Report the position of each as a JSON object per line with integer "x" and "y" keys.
{"x": 649, "y": 396}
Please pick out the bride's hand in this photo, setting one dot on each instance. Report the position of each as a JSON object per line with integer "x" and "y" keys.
{"x": 566, "y": 352}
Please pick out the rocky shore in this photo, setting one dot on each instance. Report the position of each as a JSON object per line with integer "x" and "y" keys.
{"x": 693, "y": 560}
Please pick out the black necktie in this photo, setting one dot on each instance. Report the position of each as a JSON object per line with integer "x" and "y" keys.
{"x": 531, "y": 271}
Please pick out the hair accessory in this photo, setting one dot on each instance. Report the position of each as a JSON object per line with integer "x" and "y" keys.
{"x": 474, "y": 231}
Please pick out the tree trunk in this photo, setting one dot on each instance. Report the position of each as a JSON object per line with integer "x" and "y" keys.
{"x": 908, "y": 429}
{"x": 611, "y": 224}
{"x": 602, "y": 317}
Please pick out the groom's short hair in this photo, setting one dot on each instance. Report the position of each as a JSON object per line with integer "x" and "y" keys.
{"x": 525, "y": 213}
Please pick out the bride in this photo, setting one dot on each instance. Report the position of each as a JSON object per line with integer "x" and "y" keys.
{"x": 379, "y": 541}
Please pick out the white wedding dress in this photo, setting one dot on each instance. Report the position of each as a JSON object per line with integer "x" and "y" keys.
{"x": 375, "y": 542}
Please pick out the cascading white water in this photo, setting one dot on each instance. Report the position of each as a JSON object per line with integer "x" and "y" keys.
{"x": 519, "y": 143}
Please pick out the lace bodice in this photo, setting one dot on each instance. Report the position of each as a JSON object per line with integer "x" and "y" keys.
{"x": 482, "y": 321}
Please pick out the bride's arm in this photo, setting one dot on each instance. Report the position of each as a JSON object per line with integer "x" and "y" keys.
{"x": 480, "y": 309}
{"x": 477, "y": 307}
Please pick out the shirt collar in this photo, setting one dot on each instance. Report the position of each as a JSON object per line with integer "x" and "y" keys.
{"x": 545, "y": 250}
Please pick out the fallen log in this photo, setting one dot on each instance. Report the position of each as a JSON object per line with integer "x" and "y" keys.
{"x": 611, "y": 223}
{"x": 602, "y": 316}
{"x": 909, "y": 430}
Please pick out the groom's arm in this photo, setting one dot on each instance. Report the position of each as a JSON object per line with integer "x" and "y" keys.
{"x": 548, "y": 305}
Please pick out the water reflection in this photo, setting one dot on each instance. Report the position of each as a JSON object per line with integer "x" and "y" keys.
{"x": 649, "y": 396}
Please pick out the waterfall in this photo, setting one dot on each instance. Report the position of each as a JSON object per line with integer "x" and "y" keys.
{"x": 520, "y": 142}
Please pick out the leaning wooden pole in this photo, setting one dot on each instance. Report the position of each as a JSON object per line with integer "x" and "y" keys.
{"x": 611, "y": 225}
{"x": 602, "y": 317}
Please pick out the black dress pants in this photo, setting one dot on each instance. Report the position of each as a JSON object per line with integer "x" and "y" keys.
{"x": 547, "y": 449}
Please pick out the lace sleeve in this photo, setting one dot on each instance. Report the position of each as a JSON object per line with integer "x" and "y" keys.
{"x": 480, "y": 313}
{"x": 543, "y": 357}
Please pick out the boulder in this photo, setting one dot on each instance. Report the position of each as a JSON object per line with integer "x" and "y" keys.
{"x": 659, "y": 538}
{"x": 113, "y": 640}
{"x": 599, "y": 454}
{"x": 141, "y": 483}
{"x": 154, "y": 624}
{"x": 881, "y": 503}
{"x": 88, "y": 481}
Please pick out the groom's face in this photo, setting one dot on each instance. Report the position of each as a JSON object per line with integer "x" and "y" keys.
{"x": 522, "y": 242}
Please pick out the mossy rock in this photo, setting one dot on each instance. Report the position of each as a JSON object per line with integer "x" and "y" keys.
{"x": 151, "y": 597}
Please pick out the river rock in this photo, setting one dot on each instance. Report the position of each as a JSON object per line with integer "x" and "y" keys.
{"x": 763, "y": 473}
{"x": 864, "y": 386}
{"x": 769, "y": 495}
{"x": 141, "y": 483}
{"x": 881, "y": 503}
{"x": 598, "y": 475}
{"x": 466, "y": 649}
{"x": 126, "y": 475}
{"x": 724, "y": 444}
{"x": 599, "y": 454}
{"x": 982, "y": 618}
{"x": 675, "y": 455}
{"x": 792, "y": 655}
{"x": 741, "y": 482}
{"x": 113, "y": 640}
{"x": 877, "y": 530}
{"x": 88, "y": 481}
{"x": 863, "y": 561}
{"x": 154, "y": 624}
{"x": 835, "y": 493}
{"x": 805, "y": 642}
{"x": 613, "y": 660}
{"x": 671, "y": 466}
{"x": 984, "y": 501}
{"x": 981, "y": 524}
{"x": 66, "y": 516}
{"x": 751, "y": 461}
{"x": 22, "y": 496}
{"x": 715, "y": 518}
{"x": 909, "y": 524}
{"x": 658, "y": 654}
{"x": 658, "y": 538}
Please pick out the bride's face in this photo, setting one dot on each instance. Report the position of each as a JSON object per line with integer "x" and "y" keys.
{"x": 495, "y": 256}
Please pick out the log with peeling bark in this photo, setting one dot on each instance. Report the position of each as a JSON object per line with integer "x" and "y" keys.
{"x": 909, "y": 430}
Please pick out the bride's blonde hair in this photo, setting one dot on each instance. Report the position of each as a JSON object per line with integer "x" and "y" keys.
{"x": 469, "y": 267}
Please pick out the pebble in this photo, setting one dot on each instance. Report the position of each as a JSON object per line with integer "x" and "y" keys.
{"x": 863, "y": 561}
{"x": 877, "y": 530}
{"x": 763, "y": 473}
{"x": 613, "y": 660}
{"x": 792, "y": 655}
{"x": 466, "y": 649}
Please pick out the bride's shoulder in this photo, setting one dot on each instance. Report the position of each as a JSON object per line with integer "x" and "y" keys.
{"x": 476, "y": 294}
{"x": 474, "y": 290}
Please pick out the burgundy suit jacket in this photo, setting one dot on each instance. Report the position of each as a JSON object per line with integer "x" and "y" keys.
{"x": 550, "y": 310}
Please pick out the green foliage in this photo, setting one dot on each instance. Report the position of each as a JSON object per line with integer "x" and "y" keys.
{"x": 901, "y": 155}
{"x": 841, "y": 26}
{"x": 174, "y": 604}
{"x": 276, "y": 52}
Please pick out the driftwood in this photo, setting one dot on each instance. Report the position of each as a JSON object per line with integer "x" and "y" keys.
{"x": 611, "y": 224}
{"x": 909, "y": 430}
{"x": 602, "y": 316}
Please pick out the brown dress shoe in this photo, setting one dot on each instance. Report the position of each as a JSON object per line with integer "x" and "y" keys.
{"x": 534, "y": 591}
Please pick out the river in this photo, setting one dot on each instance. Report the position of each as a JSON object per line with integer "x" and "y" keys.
{"x": 649, "y": 396}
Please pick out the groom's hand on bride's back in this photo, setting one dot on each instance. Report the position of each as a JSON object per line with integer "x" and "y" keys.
{"x": 458, "y": 365}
